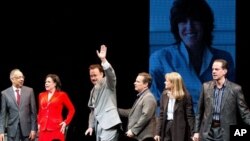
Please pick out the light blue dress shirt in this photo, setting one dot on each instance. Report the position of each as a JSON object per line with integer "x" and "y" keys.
{"x": 175, "y": 58}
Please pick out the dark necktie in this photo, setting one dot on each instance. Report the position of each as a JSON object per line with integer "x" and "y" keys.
{"x": 17, "y": 97}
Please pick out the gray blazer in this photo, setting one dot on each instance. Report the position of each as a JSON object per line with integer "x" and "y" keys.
{"x": 26, "y": 113}
{"x": 233, "y": 101}
{"x": 104, "y": 106}
{"x": 142, "y": 116}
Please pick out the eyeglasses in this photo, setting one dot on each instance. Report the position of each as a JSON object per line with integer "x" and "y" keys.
{"x": 19, "y": 77}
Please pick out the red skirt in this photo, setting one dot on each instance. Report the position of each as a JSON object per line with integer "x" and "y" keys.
{"x": 54, "y": 135}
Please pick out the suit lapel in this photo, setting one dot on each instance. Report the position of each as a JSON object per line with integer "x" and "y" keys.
{"x": 97, "y": 88}
{"x": 12, "y": 95}
{"x": 22, "y": 96}
{"x": 24, "y": 93}
{"x": 210, "y": 92}
{"x": 53, "y": 97}
{"x": 176, "y": 105}
{"x": 91, "y": 99}
{"x": 138, "y": 101}
{"x": 224, "y": 98}
{"x": 166, "y": 103}
{"x": 225, "y": 95}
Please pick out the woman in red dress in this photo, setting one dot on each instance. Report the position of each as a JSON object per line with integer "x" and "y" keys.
{"x": 51, "y": 124}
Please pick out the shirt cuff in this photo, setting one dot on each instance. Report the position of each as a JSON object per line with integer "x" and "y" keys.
{"x": 105, "y": 65}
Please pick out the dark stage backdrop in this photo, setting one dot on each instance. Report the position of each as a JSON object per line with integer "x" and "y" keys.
{"x": 62, "y": 37}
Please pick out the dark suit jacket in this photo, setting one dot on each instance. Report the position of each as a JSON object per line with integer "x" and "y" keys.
{"x": 26, "y": 113}
{"x": 233, "y": 101}
{"x": 141, "y": 117}
{"x": 183, "y": 122}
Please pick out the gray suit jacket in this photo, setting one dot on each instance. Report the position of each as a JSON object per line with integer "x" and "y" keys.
{"x": 11, "y": 114}
{"x": 142, "y": 116}
{"x": 103, "y": 103}
{"x": 233, "y": 101}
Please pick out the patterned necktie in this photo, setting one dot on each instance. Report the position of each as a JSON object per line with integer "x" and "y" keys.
{"x": 17, "y": 97}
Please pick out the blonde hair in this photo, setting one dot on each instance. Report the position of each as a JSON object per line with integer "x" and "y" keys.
{"x": 178, "y": 90}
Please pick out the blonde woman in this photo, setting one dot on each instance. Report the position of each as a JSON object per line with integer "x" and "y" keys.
{"x": 176, "y": 118}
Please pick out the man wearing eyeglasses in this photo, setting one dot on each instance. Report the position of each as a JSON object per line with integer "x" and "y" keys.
{"x": 18, "y": 110}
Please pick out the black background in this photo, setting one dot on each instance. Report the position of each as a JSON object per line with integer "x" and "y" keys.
{"x": 239, "y": 132}
{"x": 62, "y": 37}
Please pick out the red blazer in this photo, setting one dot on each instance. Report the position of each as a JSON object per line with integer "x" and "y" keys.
{"x": 50, "y": 112}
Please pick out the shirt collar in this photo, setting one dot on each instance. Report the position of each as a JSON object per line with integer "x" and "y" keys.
{"x": 141, "y": 93}
{"x": 224, "y": 84}
{"x": 15, "y": 88}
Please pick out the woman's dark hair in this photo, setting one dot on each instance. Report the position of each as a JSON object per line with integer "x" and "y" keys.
{"x": 56, "y": 79}
{"x": 198, "y": 10}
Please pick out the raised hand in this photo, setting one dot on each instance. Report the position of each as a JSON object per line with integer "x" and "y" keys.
{"x": 102, "y": 53}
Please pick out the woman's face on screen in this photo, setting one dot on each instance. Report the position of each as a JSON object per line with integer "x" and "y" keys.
{"x": 191, "y": 32}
